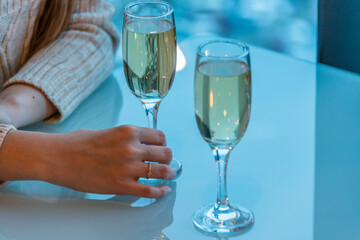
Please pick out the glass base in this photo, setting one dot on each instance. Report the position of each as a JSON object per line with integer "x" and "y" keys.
{"x": 175, "y": 163}
{"x": 213, "y": 219}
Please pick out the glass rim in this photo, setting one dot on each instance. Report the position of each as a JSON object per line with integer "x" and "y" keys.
{"x": 229, "y": 41}
{"x": 128, "y": 6}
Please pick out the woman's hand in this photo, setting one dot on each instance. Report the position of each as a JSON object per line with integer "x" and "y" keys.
{"x": 99, "y": 161}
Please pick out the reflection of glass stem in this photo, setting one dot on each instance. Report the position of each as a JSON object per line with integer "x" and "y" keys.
{"x": 223, "y": 238}
{"x": 151, "y": 110}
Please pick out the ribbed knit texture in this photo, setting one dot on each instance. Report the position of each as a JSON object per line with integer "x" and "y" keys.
{"x": 68, "y": 69}
{"x": 4, "y": 130}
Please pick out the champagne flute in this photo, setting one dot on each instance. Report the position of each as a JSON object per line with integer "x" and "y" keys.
{"x": 222, "y": 109}
{"x": 149, "y": 54}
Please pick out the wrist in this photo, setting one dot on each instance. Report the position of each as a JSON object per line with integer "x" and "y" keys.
{"x": 57, "y": 166}
{"x": 22, "y": 156}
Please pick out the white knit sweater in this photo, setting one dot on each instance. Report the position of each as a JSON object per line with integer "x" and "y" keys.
{"x": 68, "y": 69}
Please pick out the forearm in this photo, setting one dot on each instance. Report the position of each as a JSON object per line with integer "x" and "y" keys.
{"x": 21, "y": 105}
{"x": 22, "y": 156}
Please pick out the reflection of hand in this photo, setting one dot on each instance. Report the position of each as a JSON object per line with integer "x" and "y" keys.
{"x": 105, "y": 161}
{"x": 149, "y": 221}
{"x": 115, "y": 218}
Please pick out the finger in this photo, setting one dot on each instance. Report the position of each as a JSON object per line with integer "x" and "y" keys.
{"x": 158, "y": 171}
{"x": 159, "y": 154}
{"x": 146, "y": 191}
{"x": 152, "y": 136}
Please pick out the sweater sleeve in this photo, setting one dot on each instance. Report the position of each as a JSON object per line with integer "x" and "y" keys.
{"x": 77, "y": 62}
{"x": 4, "y": 130}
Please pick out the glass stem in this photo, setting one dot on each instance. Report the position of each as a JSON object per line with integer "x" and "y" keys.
{"x": 221, "y": 158}
{"x": 151, "y": 110}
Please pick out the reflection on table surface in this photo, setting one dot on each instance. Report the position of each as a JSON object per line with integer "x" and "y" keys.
{"x": 296, "y": 167}
{"x": 38, "y": 210}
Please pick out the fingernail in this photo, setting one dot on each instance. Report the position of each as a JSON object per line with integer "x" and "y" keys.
{"x": 167, "y": 190}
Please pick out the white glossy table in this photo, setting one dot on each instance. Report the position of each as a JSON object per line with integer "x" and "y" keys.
{"x": 297, "y": 167}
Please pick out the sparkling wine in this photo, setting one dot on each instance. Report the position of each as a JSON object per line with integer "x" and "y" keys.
{"x": 149, "y": 53}
{"x": 222, "y": 101}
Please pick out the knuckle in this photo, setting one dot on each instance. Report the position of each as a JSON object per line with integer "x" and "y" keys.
{"x": 161, "y": 136}
{"x": 149, "y": 152}
{"x": 131, "y": 152}
{"x": 164, "y": 171}
{"x": 129, "y": 131}
{"x": 168, "y": 154}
